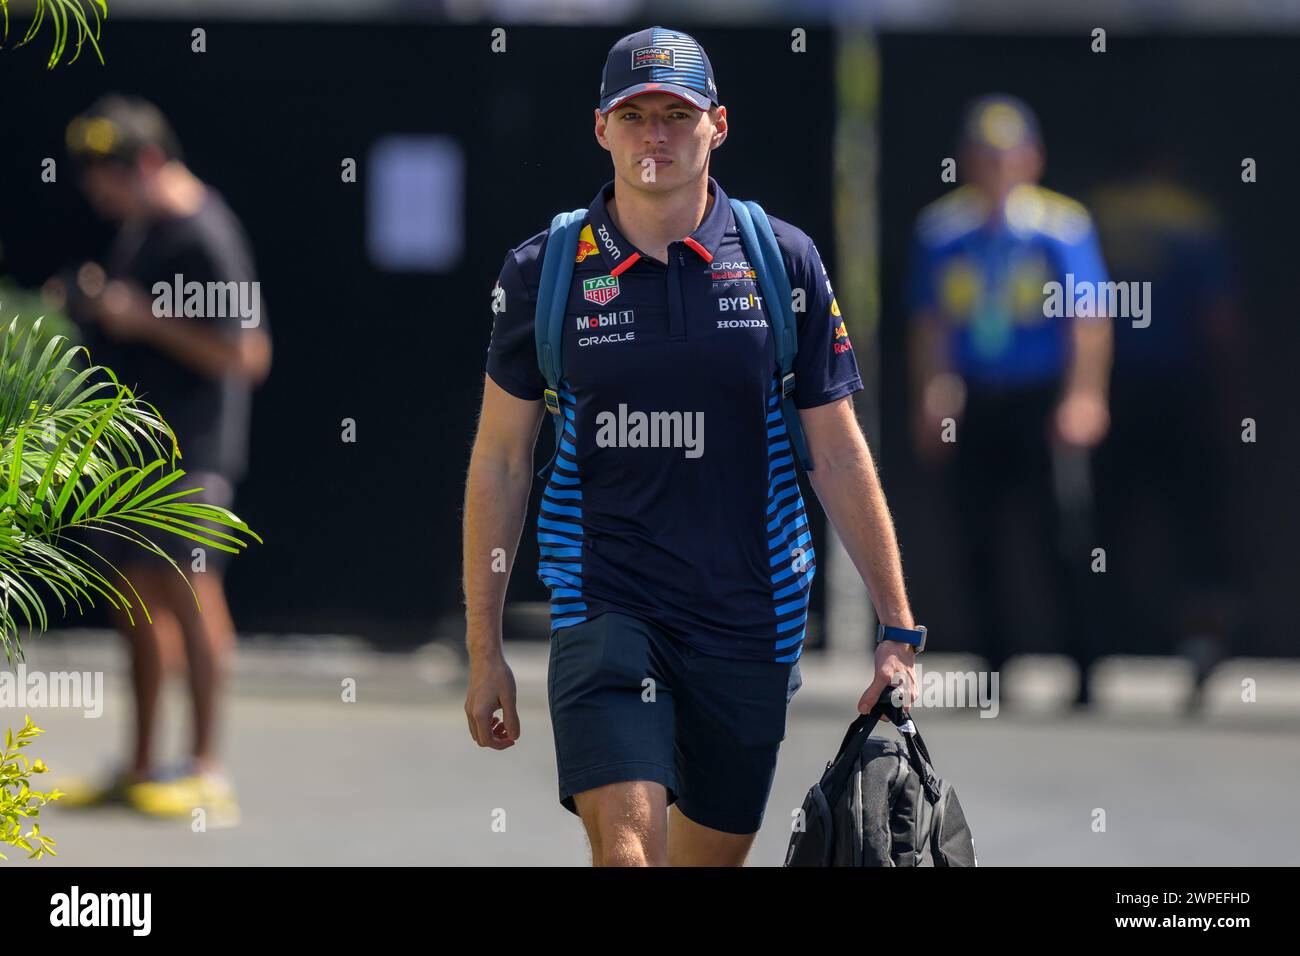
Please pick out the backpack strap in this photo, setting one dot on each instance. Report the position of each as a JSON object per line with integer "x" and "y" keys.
{"x": 765, "y": 255}
{"x": 548, "y": 322}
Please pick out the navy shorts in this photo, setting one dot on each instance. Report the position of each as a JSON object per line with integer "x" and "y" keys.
{"x": 628, "y": 702}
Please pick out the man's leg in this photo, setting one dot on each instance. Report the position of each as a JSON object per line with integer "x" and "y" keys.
{"x": 1064, "y": 539}
{"x": 626, "y": 823}
{"x": 974, "y": 485}
{"x": 209, "y": 645}
{"x": 731, "y": 717}
{"x": 693, "y": 844}
{"x": 611, "y": 691}
{"x": 154, "y": 645}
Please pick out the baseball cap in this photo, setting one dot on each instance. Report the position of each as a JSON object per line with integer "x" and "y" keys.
{"x": 658, "y": 60}
{"x": 116, "y": 128}
{"x": 1000, "y": 122}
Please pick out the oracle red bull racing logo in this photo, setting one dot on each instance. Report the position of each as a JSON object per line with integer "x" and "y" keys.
{"x": 730, "y": 271}
{"x": 652, "y": 56}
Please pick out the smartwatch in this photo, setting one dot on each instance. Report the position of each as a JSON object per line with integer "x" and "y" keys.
{"x": 907, "y": 635}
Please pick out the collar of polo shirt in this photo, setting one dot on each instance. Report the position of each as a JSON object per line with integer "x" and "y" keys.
{"x": 618, "y": 254}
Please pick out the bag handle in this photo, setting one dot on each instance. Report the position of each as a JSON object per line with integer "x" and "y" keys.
{"x": 918, "y": 753}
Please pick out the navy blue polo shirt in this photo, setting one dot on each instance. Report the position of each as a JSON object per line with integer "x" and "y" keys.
{"x": 674, "y": 495}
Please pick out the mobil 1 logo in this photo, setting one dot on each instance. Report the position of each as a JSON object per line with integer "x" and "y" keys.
{"x": 605, "y": 328}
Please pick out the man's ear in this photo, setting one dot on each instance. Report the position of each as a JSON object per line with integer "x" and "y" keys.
{"x": 719, "y": 116}
{"x": 150, "y": 159}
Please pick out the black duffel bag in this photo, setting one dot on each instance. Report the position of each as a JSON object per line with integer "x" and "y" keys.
{"x": 880, "y": 803}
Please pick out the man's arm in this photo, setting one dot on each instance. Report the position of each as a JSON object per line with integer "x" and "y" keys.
{"x": 845, "y": 480}
{"x": 126, "y": 312}
{"x": 1083, "y": 415}
{"x": 1091, "y": 356}
{"x": 496, "y": 501}
{"x": 247, "y": 354}
{"x": 936, "y": 391}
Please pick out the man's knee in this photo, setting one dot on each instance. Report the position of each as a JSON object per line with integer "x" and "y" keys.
{"x": 626, "y": 823}
{"x": 693, "y": 844}
{"x": 199, "y": 602}
{"x": 146, "y": 598}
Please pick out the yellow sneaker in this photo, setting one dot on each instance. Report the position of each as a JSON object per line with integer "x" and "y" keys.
{"x": 81, "y": 792}
{"x": 180, "y": 797}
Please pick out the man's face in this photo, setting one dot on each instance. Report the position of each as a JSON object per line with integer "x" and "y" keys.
{"x": 113, "y": 190}
{"x": 659, "y": 142}
{"x": 995, "y": 172}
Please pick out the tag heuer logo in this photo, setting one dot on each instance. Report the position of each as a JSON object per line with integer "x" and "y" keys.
{"x": 600, "y": 289}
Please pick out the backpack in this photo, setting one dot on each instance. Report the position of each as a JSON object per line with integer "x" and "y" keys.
{"x": 879, "y": 803}
{"x": 764, "y": 255}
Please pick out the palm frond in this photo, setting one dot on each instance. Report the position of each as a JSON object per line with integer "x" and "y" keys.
{"x": 66, "y": 16}
{"x": 79, "y": 451}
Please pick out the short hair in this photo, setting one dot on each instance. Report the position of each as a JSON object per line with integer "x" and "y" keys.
{"x": 116, "y": 128}
{"x": 1000, "y": 121}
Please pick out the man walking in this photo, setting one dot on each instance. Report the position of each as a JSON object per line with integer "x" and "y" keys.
{"x": 672, "y": 531}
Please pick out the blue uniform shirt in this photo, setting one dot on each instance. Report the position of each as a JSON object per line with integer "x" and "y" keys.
{"x": 983, "y": 279}
{"x": 674, "y": 497}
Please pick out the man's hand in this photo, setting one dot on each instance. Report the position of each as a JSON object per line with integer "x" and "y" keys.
{"x": 124, "y": 311}
{"x": 895, "y": 667}
{"x": 927, "y": 438}
{"x": 1082, "y": 418}
{"x": 943, "y": 397}
{"x": 492, "y": 687}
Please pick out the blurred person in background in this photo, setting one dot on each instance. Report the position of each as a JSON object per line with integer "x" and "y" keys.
{"x": 198, "y": 367}
{"x": 1177, "y": 392}
{"x": 1007, "y": 398}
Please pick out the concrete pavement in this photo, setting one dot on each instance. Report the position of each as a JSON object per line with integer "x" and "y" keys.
{"x": 393, "y": 778}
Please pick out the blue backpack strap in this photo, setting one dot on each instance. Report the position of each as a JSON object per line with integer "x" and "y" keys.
{"x": 548, "y": 324}
{"x": 765, "y": 255}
